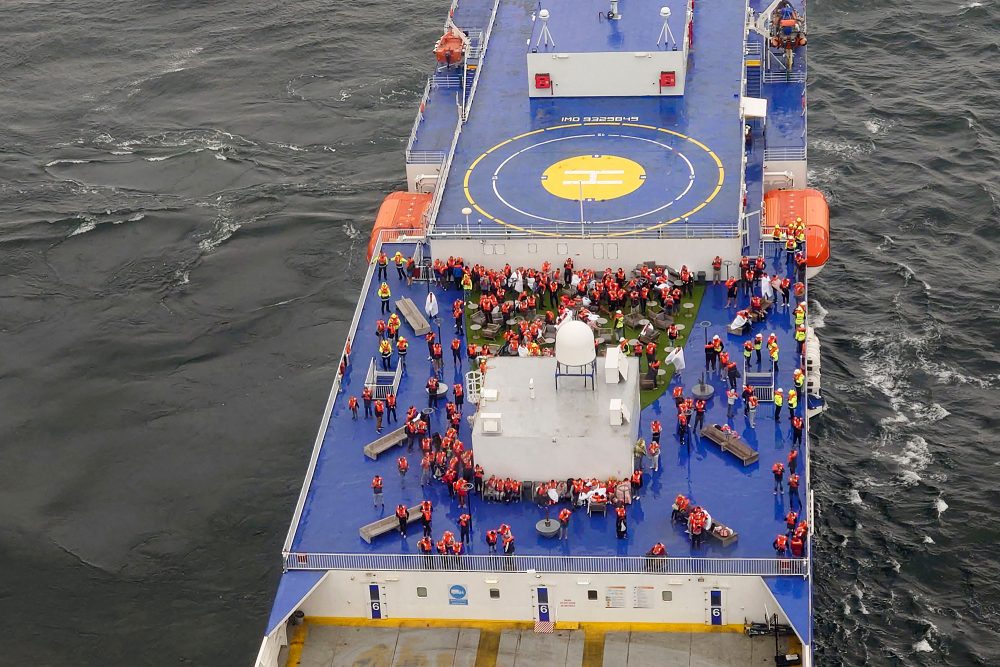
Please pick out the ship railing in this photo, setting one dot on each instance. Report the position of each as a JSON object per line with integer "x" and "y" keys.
{"x": 424, "y": 98}
{"x": 481, "y": 57}
{"x": 776, "y": 153}
{"x": 424, "y": 157}
{"x": 430, "y": 215}
{"x": 751, "y": 567}
{"x": 443, "y": 80}
{"x": 385, "y": 236}
{"x": 677, "y": 230}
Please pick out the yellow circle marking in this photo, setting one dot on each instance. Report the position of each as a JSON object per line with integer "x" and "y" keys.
{"x": 596, "y": 177}
{"x": 664, "y": 223}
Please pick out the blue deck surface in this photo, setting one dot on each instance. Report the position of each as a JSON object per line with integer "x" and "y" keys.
{"x": 502, "y": 165}
{"x": 339, "y": 499}
{"x": 437, "y": 128}
{"x": 578, "y": 27}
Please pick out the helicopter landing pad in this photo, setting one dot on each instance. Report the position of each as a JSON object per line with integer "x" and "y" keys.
{"x": 618, "y": 177}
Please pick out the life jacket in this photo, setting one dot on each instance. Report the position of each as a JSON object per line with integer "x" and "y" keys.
{"x": 781, "y": 543}
{"x": 402, "y": 512}
{"x": 717, "y": 263}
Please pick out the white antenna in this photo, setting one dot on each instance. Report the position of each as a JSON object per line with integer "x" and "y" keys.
{"x": 665, "y": 34}
{"x": 544, "y": 37}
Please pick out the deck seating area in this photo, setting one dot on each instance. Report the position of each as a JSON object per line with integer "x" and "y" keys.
{"x": 413, "y": 316}
{"x": 385, "y": 443}
{"x": 731, "y": 442}
{"x": 387, "y": 524}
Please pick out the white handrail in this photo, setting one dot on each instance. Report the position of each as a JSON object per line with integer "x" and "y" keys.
{"x": 482, "y": 58}
{"x": 756, "y": 567}
{"x": 383, "y": 237}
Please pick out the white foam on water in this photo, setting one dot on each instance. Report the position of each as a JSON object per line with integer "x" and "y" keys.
{"x": 843, "y": 149}
{"x": 182, "y": 277}
{"x": 854, "y": 497}
{"x": 923, "y": 646}
{"x": 878, "y": 125}
{"x": 158, "y": 159}
{"x": 293, "y": 147}
{"x": 84, "y": 227}
{"x": 352, "y": 232}
{"x": 56, "y": 162}
{"x": 859, "y": 594}
{"x": 928, "y": 539}
{"x": 220, "y": 156}
{"x": 940, "y": 505}
{"x": 817, "y": 314}
{"x": 909, "y": 274}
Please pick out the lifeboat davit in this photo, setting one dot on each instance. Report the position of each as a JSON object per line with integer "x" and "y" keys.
{"x": 399, "y": 210}
{"x": 783, "y": 206}
{"x": 450, "y": 48}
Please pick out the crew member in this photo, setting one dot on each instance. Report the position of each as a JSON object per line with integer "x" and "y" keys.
{"x": 402, "y": 516}
{"x": 377, "y": 492}
{"x": 779, "y": 475}
{"x": 384, "y": 293}
{"x": 564, "y": 516}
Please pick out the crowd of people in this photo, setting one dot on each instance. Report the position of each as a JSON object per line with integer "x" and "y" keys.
{"x": 527, "y": 302}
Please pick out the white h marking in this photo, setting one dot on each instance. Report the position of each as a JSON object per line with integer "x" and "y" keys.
{"x": 593, "y": 174}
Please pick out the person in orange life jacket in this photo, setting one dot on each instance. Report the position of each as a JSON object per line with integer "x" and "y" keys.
{"x": 733, "y": 372}
{"x": 568, "y": 271}
{"x": 793, "y": 488}
{"x": 366, "y": 396}
{"x": 654, "y": 454}
{"x": 779, "y": 475}
{"x": 352, "y": 403}
{"x": 425, "y": 469}
{"x": 636, "y": 483}
{"x": 472, "y": 351}
{"x": 796, "y": 430}
{"x": 790, "y": 520}
{"x": 403, "y": 466}
{"x": 456, "y": 352}
{"x": 717, "y": 270}
{"x": 459, "y": 395}
{"x": 430, "y": 339}
{"x": 564, "y": 516}
{"x": 379, "y": 410}
{"x": 491, "y": 541}
{"x": 723, "y": 364}
{"x": 465, "y": 527}
{"x": 508, "y": 544}
{"x": 425, "y": 546}
{"x": 798, "y": 546}
{"x": 437, "y": 358}
{"x": 650, "y": 353}
{"x": 747, "y": 393}
{"x": 679, "y": 509}
{"x": 456, "y": 548}
{"x": 793, "y": 461}
{"x": 477, "y": 478}
{"x": 780, "y": 545}
{"x": 802, "y": 530}
{"x": 442, "y": 548}
{"x": 657, "y": 551}
{"x": 432, "y": 392}
{"x": 460, "y": 491}
{"x": 621, "y": 522}
{"x": 377, "y": 492}
{"x": 785, "y": 287}
{"x": 390, "y": 406}
{"x": 425, "y": 520}
{"x": 683, "y": 430}
{"x": 710, "y": 357}
{"x": 699, "y": 415}
{"x": 392, "y": 326}
{"x": 382, "y": 262}
{"x": 458, "y": 315}
{"x": 696, "y": 527}
{"x": 402, "y": 516}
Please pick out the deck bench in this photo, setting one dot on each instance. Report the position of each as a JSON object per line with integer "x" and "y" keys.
{"x": 386, "y": 442}
{"x": 731, "y": 443}
{"x": 387, "y": 524}
{"x": 413, "y": 316}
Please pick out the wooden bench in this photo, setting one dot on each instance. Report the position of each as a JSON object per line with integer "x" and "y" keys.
{"x": 413, "y": 316}
{"x": 731, "y": 443}
{"x": 386, "y": 442}
{"x": 387, "y": 524}
{"x": 723, "y": 541}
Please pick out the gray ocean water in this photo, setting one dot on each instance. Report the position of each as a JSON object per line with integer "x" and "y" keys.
{"x": 186, "y": 191}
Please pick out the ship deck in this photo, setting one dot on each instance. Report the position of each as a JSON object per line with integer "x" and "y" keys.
{"x": 689, "y": 147}
{"x": 339, "y": 496}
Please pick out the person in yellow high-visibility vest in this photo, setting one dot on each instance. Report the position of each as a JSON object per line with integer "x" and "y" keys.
{"x": 384, "y": 293}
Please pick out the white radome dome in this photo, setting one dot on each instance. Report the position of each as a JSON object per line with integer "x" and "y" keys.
{"x": 575, "y": 344}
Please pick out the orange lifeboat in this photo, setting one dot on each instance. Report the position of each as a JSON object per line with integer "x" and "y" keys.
{"x": 399, "y": 210}
{"x": 783, "y": 206}
{"x": 449, "y": 49}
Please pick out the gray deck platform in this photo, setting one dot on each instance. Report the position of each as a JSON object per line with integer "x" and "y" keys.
{"x": 341, "y": 646}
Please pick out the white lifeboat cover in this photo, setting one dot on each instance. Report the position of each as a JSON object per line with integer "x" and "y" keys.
{"x": 575, "y": 343}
